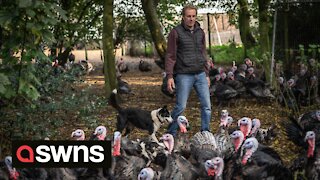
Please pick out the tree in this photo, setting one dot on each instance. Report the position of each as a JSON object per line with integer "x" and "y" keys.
{"x": 82, "y": 24}
{"x": 25, "y": 30}
{"x": 246, "y": 34}
{"x": 108, "y": 48}
{"x": 155, "y": 28}
{"x": 264, "y": 31}
{"x": 252, "y": 32}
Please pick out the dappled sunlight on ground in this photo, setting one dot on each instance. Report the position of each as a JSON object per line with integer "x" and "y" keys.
{"x": 148, "y": 96}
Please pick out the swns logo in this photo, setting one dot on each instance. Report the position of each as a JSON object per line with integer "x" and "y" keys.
{"x": 53, "y": 154}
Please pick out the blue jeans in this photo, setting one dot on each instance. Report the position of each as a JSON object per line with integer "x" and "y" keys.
{"x": 183, "y": 85}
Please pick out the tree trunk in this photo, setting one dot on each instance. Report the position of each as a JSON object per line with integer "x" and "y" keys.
{"x": 155, "y": 28}
{"x": 107, "y": 39}
{"x": 264, "y": 31}
{"x": 246, "y": 36}
{"x": 63, "y": 57}
{"x": 1, "y": 38}
{"x": 286, "y": 40}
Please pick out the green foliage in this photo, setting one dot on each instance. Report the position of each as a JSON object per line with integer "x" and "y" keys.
{"x": 22, "y": 35}
{"x": 4, "y": 81}
{"x": 149, "y": 50}
{"x": 225, "y": 54}
{"x": 306, "y": 53}
{"x": 46, "y": 115}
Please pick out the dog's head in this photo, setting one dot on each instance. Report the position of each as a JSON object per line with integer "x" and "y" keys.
{"x": 164, "y": 115}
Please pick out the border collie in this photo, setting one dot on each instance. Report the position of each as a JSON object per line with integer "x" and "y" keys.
{"x": 134, "y": 117}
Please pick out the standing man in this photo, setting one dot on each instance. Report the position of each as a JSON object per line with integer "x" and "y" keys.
{"x": 186, "y": 67}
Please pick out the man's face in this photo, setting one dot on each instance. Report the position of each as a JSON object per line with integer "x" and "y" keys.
{"x": 189, "y": 17}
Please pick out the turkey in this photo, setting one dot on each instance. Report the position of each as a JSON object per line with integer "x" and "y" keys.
{"x": 125, "y": 166}
{"x": 88, "y": 67}
{"x": 266, "y": 135}
{"x": 183, "y": 123}
{"x": 146, "y": 174}
{"x": 144, "y": 66}
{"x": 78, "y": 135}
{"x": 286, "y": 96}
{"x": 250, "y": 74}
{"x": 237, "y": 138}
{"x": 61, "y": 173}
{"x": 176, "y": 166}
{"x": 182, "y": 139}
{"x": 100, "y": 134}
{"x": 225, "y": 119}
{"x": 235, "y": 84}
{"x": 223, "y": 92}
{"x": 214, "y": 167}
{"x": 203, "y": 147}
{"x": 7, "y": 171}
{"x": 297, "y": 128}
{"x": 122, "y": 66}
{"x": 261, "y": 162}
{"x": 308, "y": 162}
{"x": 224, "y": 143}
{"x": 123, "y": 87}
{"x": 245, "y": 125}
{"x": 256, "y": 124}
{"x": 71, "y": 58}
{"x": 310, "y": 121}
{"x": 258, "y": 89}
{"x": 296, "y": 91}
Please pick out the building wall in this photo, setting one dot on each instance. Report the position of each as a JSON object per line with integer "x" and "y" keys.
{"x": 219, "y": 27}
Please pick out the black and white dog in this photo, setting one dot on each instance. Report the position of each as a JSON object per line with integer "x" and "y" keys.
{"x": 133, "y": 117}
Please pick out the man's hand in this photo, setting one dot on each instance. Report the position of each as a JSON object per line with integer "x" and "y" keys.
{"x": 170, "y": 85}
{"x": 208, "y": 79}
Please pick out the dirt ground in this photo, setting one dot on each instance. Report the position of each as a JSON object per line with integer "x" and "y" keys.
{"x": 148, "y": 96}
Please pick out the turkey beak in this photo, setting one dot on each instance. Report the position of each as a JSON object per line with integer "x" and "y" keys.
{"x": 73, "y": 134}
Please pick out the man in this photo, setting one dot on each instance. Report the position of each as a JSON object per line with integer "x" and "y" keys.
{"x": 186, "y": 61}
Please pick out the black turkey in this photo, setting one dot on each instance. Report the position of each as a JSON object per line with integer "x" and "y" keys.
{"x": 258, "y": 89}
{"x": 122, "y": 66}
{"x": 223, "y": 92}
{"x": 286, "y": 96}
{"x": 125, "y": 166}
{"x": 235, "y": 84}
{"x": 310, "y": 121}
{"x": 123, "y": 87}
{"x": 144, "y": 66}
{"x": 262, "y": 162}
{"x": 176, "y": 166}
{"x": 308, "y": 162}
